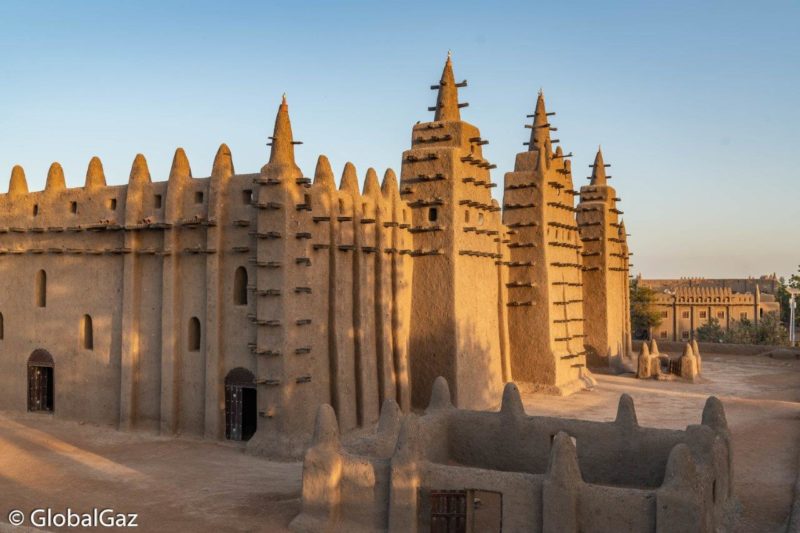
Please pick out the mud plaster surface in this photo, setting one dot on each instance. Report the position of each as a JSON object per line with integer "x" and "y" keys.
{"x": 184, "y": 484}
{"x": 761, "y": 398}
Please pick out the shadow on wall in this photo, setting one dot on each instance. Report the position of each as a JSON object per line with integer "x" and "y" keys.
{"x": 474, "y": 367}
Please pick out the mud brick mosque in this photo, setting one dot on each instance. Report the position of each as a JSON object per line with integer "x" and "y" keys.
{"x": 233, "y": 306}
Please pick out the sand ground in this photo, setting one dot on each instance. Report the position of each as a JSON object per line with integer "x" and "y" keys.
{"x": 195, "y": 485}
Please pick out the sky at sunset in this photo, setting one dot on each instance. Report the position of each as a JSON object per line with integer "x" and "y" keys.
{"x": 695, "y": 104}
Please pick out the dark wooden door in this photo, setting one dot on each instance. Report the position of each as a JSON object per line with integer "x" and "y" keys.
{"x": 240, "y": 412}
{"x": 233, "y": 412}
{"x": 449, "y": 511}
{"x": 40, "y": 388}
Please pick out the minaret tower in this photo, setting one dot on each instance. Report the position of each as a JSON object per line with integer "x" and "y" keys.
{"x": 605, "y": 276}
{"x": 286, "y": 334}
{"x": 456, "y": 300}
{"x": 545, "y": 311}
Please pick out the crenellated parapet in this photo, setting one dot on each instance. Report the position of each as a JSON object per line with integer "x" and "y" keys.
{"x": 570, "y": 475}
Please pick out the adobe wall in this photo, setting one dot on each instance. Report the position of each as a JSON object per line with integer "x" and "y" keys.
{"x": 327, "y": 294}
{"x": 626, "y": 477}
{"x": 120, "y": 239}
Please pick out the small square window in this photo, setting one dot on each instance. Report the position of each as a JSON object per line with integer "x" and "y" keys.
{"x": 247, "y": 197}
{"x": 685, "y": 314}
{"x": 685, "y": 334}
{"x": 702, "y": 314}
{"x": 663, "y": 334}
{"x": 157, "y": 201}
{"x": 198, "y": 197}
{"x": 743, "y": 316}
{"x": 721, "y": 314}
{"x": 664, "y": 314}
{"x": 73, "y": 207}
{"x": 112, "y": 204}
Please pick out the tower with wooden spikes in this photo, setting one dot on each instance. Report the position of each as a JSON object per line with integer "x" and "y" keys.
{"x": 605, "y": 276}
{"x": 545, "y": 311}
{"x": 456, "y": 321}
{"x": 283, "y": 317}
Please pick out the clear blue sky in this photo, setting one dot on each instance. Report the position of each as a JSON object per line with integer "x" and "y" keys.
{"x": 694, "y": 103}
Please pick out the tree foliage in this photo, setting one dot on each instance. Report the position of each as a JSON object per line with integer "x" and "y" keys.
{"x": 711, "y": 331}
{"x": 644, "y": 314}
{"x": 769, "y": 330}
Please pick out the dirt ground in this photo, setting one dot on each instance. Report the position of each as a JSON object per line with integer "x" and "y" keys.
{"x": 195, "y": 485}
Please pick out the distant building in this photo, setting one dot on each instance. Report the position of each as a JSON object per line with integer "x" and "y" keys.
{"x": 688, "y": 303}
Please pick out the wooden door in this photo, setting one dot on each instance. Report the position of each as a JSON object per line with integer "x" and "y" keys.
{"x": 40, "y": 388}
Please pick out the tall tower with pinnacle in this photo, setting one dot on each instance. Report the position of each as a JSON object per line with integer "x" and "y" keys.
{"x": 282, "y": 317}
{"x": 456, "y": 316}
{"x": 545, "y": 311}
{"x": 605, "y": 276}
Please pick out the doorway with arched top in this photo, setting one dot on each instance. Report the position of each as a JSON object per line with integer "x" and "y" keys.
{"x": 241, "y": 407}
{"x": 41, "y": 382}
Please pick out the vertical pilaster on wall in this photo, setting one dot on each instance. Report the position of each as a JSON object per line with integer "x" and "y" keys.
{"x": 626, "y": 290}
{"x": 218, "y": 224}
{"x": 678, "y": 500}
{"x": 346, "y": 347}
{"x": 562, "y": 487}
{"x": 503, "y": 257}
{"x": 402, "y": 276}
{"x": 138, "y": 183}
{"x": 172, "y": 331}
{"x": 364, "y": 296}
{"x": 325, "y": 229}
{"x": 384, "y": 301}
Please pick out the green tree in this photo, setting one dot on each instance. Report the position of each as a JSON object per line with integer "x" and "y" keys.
{"x": 769, "y": 330}
{"x": 740, "y": 332}
{"x": 644, "y": 314}
{"x": 711, "y": 331}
